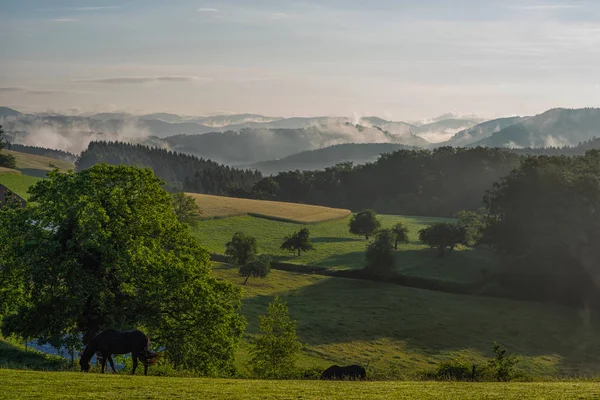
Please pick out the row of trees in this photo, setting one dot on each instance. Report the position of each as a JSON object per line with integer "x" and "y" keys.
{"x": 6, "y": 160}
{"x": 182, "y": 172}
{"x": 411, "y": 182}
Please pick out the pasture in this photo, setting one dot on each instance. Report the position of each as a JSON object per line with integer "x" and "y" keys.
{"x": 400, "y": 332}
{"x": 62, "y": 385}
{"x": 219, "y": 207}
{"x": 38, "y": 165}
{"x": 17, "y": 182}
{"x": 336, "y": 248}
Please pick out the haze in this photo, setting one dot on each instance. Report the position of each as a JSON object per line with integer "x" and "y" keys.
{"x": 400, "y": 60}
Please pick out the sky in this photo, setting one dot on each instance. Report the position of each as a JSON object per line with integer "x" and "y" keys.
{"x": 397, "y": 59}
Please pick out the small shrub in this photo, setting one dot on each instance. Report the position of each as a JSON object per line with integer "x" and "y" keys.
{"x": 502, "y": 366}
{"x": 453, "y": 370}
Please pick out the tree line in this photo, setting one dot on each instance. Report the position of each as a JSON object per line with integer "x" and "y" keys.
{"x": 182, "y": 172}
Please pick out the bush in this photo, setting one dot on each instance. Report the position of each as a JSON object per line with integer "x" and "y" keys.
{"x": 453, "y": 370}
{"x": 501, "y": 366}
{"x": 381, "y": 255}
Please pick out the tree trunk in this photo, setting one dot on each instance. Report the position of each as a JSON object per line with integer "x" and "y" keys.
{"x": 396, "y": 245}
{"x": 298, "y": 252}
{"x": 246, "y": 280}
{"x": 367, "y": 236}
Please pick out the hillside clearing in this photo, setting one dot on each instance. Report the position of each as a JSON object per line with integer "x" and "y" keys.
{"x": 219, "y": 207}
{"x": 4, "y": 170}
{"x": 31, "y": 164}
{"x": 63, "y": 385}
{"x": 336, "y": 248}
{"x": 400, "y": 332}
{"x": 18, "y": 183}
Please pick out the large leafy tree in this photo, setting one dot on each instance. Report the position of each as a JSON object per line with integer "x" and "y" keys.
{"x": 442, "y": 235}
{"x": 380, "y": 254}
{"x": 364, "y": 223}
{"x": 185, "y": 206}
{"x": 241, "y": 248}
{"x": 275, "y": 351}
{"x": 400, "y": 232}
{"x": 258, "y": 267}
{"x": 298, "y": 241}
{"x": 543, "y": 217}
{"x": 103, "y": 248}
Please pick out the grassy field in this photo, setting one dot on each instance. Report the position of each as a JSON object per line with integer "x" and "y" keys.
{"x": 218, "y": 207}
{"x": 38, "y": 165}
{"x": 18, "y": 183}
{"x": 400, "y": 332}
{"x": 336, "y": 248}
{"x": 61, "y": 385}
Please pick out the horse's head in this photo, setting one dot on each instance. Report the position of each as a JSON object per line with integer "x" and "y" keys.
{"x": 85, "y": 365}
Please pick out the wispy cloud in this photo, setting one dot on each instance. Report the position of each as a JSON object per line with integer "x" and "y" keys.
{"x": 142, "y": 79}
{"x": 547, "y": 7}
{"x": 278, "y": 15}
{"x": 64, "y": 20}
{"x": 10, "y": 89}
{"x": 96, "y": 8}
{"x": 208, "y": 10}
{"x": 17, "y": 89}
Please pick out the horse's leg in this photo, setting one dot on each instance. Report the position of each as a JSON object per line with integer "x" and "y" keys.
{"x": 103, "y": 362}
{"x": 146, "y": 367}
{"x": 135, "y": 362}
{"x": 112, "y": 364}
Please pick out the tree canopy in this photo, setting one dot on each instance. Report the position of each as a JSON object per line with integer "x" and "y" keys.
{"x": 258, "y": 267}
{"x": 442, "y": 235}
{"x": 364, "y": 223}
{"x": 103, "y": 248}
{"x": 400, "y": 234}
{"x": 298, "y": 241}
{"x": 186, "y": 208}
{"x": 543, "y": 217}
{"x": 380, "y": 254}
{"x": 275, "y": 351}
{"x": 241, "y": 248}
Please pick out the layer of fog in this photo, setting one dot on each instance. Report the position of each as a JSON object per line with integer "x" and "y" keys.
{"x": 70, "y": 135}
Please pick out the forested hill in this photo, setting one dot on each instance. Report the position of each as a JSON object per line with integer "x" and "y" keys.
{"x": 357, "y": 153}
{"x": 44, "y": 152}
{"x": 180, "y": 171}
{"x": 412, "y": 182}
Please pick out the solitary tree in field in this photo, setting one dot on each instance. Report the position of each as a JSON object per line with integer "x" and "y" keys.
{"x": 102, "y": 248}
{"x": 443, "y": 235}
{"x": 381, "y": 255}
{"x": 185, "y": 207}
{"x": 364, "y": 223}
{"x": 258, "y": 267}
{"x": 298, "y": 241}
{"x": 400, "y": 234}
{"x": 241, "y": 248}
{"x": 275, "y": 351}
{"x": 6, "y": 160}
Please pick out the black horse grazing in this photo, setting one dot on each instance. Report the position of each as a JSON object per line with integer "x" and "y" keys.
{"x": 351, "y": 372}
{"x": 110, "y": 342}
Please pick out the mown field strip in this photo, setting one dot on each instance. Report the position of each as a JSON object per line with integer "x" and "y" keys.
{"x": 62, "y": 385}
{"x": 219, "y": 207}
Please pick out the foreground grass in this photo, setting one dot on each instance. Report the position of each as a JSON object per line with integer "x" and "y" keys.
{"x": 336, "y": 248}
{"x": 62, "y": 385}
{"x": 219, "y": 207}
{"x": 401, "y": 332}
{"x": 18, "y": 183}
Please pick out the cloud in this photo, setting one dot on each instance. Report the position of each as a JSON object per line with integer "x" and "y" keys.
{"x": 16, "y": 89}
{"x": 208, "y": 10}
{"x": 547, "y": 7}
{"x": 278, "y": 15}
{"x": 65, "y": 20}
{"x": 142, "y": 79}
{"x": 10, "y": 89}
